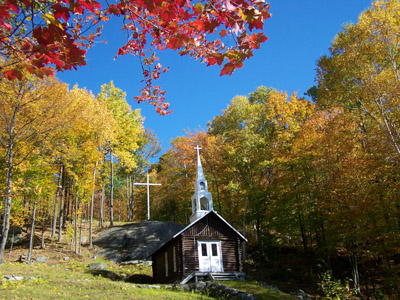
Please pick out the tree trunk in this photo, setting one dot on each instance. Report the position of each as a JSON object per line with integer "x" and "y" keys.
{"x": 244, "y": 228}
{"x": 128, "y": 195}
{"x": 11, "y": 244}
{"x": 9, "y": 173}
{"x": 61, "y": 219}
{"x": 81, "y": 226}
{"x": 54, "y": 225}
{"x": 76, "y": 223}
{"x": 101, "y": 217}
{"x": 43, "y": 245}
{"x": 91, "y": 208}
{"x": 111, "y": 190}
{"x": 132, "y": 199}
{"x": 354, "y": 271}
{"x": 32, "y": 235}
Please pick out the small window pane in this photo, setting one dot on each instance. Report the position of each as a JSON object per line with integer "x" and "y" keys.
{"x": 214, "y": 250}
{"x": 203, "y": 249}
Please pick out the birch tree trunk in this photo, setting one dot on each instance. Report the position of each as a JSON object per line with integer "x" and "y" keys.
{"x": 53, "y": 229}
{"x": 76, "y": 223}
{"x": 91, "y": 208}
{"x": 32, "y": 235}
{"x": 111, "y": 190}
{"x": 101, "y": 217}
{"x": 128, "y": 195}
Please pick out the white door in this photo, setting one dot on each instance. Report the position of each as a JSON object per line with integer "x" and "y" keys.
{"x": 210, "y": 256}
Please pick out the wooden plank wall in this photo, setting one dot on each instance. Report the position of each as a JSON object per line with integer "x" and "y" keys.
{"x": 211, "y": 228}
{"x": 159, "y": 263}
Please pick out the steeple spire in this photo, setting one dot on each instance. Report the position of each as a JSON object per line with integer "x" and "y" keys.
{"x": 199, "y": 173}
{"x": 201, "y": 199}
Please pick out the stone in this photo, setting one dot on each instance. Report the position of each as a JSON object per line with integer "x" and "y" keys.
{"x": 23, "y": 258}
{"x": 231, "y": 291}
{"x": 41, "y": 259}
{"x": 302, "y": 293}
{"x": 30, "y": 278}
{"x": 200, "y": 286}
{"x": 156, "y": 287}
{"x": 129, "y": 262}
{"x": 97, "y": 266}
{"x": 14, "y": 236}
{"x": 84, "y": 240}
{"x": 183, "y": 287}
{"x": 18, "y": 278}
{"x": 66, "y": 258}
{"x": 169, "y": 287}
{"x": 244, "y": 296}
{"x": 134, "y": 241}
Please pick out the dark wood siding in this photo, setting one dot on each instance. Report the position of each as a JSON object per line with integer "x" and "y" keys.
{"x": 159, "y": 274}
{"x": 211, "y": 228}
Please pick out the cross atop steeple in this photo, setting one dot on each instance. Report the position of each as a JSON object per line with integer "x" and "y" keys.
{"x": 198, "y": 151}
{"x": 201, "y": 199}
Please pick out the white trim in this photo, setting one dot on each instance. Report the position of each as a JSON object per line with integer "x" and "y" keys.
{"x": 191, "y": 224}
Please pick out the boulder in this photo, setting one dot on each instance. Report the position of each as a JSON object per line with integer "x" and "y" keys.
{"x": 14, "y": 236}
{"x": 97, "y": 266}
{"x": 136, "y": 241}
{"x": 41, "y": 259}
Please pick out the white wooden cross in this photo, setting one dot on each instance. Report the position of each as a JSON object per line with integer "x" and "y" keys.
{"x": 148, "y": 194}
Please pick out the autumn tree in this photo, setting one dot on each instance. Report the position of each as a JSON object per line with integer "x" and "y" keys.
{"x": 78, "y": 146}
{"x": 28, "y": 114}
{"x": 37, "y": 36}
{"x": 362, "y": 70}
{"x": 128, "y": 134}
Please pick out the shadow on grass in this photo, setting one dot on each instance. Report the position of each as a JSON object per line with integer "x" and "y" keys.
{"x": 107, "y": 274}
{"x": 135, "y": 278}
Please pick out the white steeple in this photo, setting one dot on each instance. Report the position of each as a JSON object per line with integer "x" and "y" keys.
{"x": 201, "y": 199}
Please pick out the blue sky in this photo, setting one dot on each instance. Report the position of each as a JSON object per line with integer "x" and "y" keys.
{"x": 299, "y": 32}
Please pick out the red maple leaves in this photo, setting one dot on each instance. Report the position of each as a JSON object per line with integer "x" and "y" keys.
{"x": 57, "y": 33}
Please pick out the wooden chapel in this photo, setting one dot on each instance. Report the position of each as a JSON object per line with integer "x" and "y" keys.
{"x": 209, "y": 247}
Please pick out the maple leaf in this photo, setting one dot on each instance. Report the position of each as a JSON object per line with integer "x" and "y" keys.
{"x": 13, "y": 73}
{"x": 61, "y": 12}
{"x": 228, "y": 69}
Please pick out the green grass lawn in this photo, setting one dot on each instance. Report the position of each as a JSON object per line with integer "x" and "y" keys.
{"x": 71, "y": 280}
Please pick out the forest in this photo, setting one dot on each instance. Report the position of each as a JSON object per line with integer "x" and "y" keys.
{"x": 311, "y": 180}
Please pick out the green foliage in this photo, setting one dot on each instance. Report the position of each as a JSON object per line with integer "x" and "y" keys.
{"x": 335, "y": 289}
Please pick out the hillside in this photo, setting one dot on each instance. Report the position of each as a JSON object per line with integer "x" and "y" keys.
{"x": 66, "y": 275}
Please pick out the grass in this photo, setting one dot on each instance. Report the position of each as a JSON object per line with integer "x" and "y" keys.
{"x": 261, "y": 292}
{"x": 71, "y": 280}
